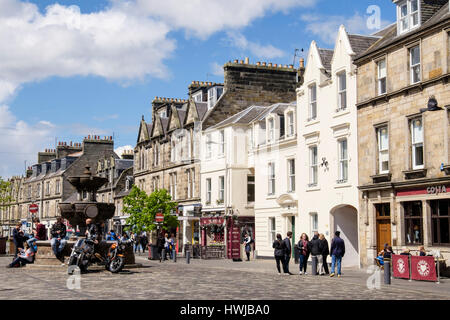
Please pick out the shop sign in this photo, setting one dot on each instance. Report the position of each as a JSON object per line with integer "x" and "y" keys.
{"x": 429, "y": 190}
{"x": 436, "y": 190}
{"x": 214, "y": 220}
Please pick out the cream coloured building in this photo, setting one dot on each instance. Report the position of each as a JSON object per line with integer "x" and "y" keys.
{"x": 273, "y": 155}
{"x": 327, "y": 143}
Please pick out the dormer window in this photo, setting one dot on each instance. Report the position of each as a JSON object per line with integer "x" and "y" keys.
{"x": 214, "y": 94}
{"x": 408, "y": 15}
{"x": 198, "y": 97}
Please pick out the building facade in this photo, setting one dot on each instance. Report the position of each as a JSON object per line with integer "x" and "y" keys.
{"x": 327, "y": 143}
{"x": 272, "y": 154}
{"x": 403, "y": 133}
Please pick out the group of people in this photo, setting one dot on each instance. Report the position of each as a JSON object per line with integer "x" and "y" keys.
{"x": 167, "y": 243}
{"x": 23, "y": 256}
{"x": 317, "y": 248}
{"x": 140, "y": 241}
{"x": 387, "y": 253}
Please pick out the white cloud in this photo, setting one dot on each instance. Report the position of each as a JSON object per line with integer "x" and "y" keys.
{"x": 217, "y": 69}
{"x": 21, "y": 141}
{"x": 327, "y": 27}
{"x": 127, "y": 41}
{"x": 119, "y": 151}
{"x": 201, "y": 18}
{"x": 238, "y": 40}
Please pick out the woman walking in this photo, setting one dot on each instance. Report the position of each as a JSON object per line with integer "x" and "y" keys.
{"x": 304, "y": 252}
{"x": 280, "y": 248}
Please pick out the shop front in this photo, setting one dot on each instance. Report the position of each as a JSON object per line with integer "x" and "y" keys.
{"x": 189, "y": 228}
{"x": 212, "y": 237}
{"x": 408, "y": 217}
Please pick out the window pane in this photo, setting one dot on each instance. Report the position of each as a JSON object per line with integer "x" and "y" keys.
{"x": 415, "y": 55}
{"x": 382, "y": 69}
{"x": 417, "y": 131}
{"x": 404, "y": 10}
{"x": 418, "y": 155}
{"x": 414, "y": 6}
{"x": 342, "y": 82}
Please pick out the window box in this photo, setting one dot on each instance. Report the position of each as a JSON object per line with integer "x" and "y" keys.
{"x": 415, "y": 174}
{"x": 384, "y": 177}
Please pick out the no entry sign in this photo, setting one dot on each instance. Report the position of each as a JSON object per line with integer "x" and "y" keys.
{"x": 34, "y": 208}
{"x": 159, "y": 217}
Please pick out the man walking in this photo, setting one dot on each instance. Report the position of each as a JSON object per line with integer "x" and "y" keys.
{"x": 337, "y": 252}
{"x": 287, "y": 253}
{"x": 58, "y": 241}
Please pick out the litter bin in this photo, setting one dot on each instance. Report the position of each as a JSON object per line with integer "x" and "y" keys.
{"x": 3, "y": 245}
{"x": 153, "y": 252}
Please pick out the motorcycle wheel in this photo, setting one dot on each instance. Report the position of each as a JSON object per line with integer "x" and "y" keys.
{"x": 80, "y": 264}
{"x": 116, "y": 265}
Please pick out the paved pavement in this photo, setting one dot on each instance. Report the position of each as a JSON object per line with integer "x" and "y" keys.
{"x": 207, "y": 280}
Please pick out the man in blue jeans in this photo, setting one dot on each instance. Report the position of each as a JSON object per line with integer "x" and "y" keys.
{"x": 337, "y": 252}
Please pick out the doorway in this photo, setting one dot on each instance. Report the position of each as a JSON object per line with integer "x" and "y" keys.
{"x": 345, "y": 220}
{"x": 383, "y": 217}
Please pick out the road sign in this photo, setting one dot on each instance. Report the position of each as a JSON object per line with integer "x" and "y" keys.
{"x": 159, "y": 217}
{"x": 34, "y": 208}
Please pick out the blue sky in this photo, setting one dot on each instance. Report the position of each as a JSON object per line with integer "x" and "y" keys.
{"x": 67, "y": 71}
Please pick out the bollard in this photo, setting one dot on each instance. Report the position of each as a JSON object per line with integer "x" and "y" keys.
{"x": 188, "y": 257}
{"x": 387, "y": 271}
{"x": 174, "y": 255}
{"x": 314, "y": 265}
{"x": 163, "y": 254}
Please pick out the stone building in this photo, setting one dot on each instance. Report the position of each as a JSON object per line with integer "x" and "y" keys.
{"x": 119, "y": 172}
{"x": 167, "y": 154}
{"x": 403, "y": 132}
{"x": 46, "y": 182}
{"x": 327, "y": 143}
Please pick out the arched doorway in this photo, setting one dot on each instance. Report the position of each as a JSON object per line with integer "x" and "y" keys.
{"x": 344, "y": 218}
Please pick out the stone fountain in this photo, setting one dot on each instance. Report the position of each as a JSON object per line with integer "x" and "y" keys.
{"x": 86, "y": 206}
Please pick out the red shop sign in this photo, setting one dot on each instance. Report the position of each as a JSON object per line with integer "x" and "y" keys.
{"x": 205, "y": 221}
{"x": 400, "y": 266}
{"x": 423, "y": 268}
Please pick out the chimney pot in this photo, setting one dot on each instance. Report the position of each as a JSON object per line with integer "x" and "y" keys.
{"x": 247, "y": 60}
{"x": 236, "y": 61}
{"x": 302, "y": 62}
{"x": 264, "y": 64}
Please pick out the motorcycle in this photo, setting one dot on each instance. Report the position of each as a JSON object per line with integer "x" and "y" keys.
{"x": 115, "y": 259}
{"x": 83, "y": 256}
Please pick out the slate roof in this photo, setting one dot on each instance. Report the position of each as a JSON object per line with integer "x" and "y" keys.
{"x": 149, "y": 129}
{"x": 361, "y": 43}
{"x": 326, "y": 55}
{"x": 164, "y": 123}
{"x": 391, "y": 36}
{"x": 244, "y": 117}
{"x": 277, "y": 108}
{"x": 181, "y": 115}
{"x": 202, "y": 108}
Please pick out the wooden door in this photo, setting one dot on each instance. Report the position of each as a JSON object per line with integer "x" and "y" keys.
{"x": 383, "y": 233}
{"x": 383, "y": 225}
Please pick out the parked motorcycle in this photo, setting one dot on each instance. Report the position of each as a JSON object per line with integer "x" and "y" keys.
{"x": 83, "y": 256}
{"x": 115, "y": 259}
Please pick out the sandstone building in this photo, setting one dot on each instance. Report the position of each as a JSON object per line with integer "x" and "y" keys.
{"x": 403, "y": 132}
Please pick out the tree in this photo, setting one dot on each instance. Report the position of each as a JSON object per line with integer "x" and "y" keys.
{"x": 5, "y": 194}
{"x": 143, "y": 208}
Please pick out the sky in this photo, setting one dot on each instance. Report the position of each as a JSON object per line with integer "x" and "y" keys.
{"x": 72, "y": 68}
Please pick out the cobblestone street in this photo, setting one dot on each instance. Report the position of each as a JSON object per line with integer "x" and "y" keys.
{"x": 206, "y": 280}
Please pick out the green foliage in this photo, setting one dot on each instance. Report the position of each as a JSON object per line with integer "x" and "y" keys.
{"x": 5, "y": 193}
{"x": 143, "y": 208}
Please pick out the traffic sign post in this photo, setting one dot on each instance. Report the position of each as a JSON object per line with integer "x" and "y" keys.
{"x": 33, "y": 208}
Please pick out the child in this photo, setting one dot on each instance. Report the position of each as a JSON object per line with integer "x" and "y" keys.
{"x": 380, "y": 257}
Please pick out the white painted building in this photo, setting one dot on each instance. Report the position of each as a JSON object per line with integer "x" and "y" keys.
{"x": 327, "y": 143}
{"x": 273, "y": 152}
